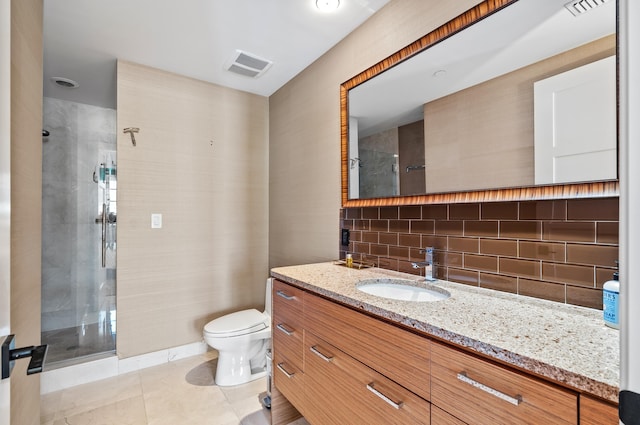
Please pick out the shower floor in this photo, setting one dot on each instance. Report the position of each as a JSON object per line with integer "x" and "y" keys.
{"x": 77, "y": 342}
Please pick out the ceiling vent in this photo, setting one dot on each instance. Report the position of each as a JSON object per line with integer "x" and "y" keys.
{"x": 578, "y": 7}
{"x": 247, "y": 64}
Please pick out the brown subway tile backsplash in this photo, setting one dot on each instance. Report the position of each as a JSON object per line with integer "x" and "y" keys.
{"x": 388, "y": 238}
{"x": 481, "y": 228}
{"x": 467, "y": 277}
{"x": 379, "y": 225}
{"x": 410, "y": 240}
{"x": 450, "y": 227}
{"x": 593, "y": 209}
{"x": 538, "y": 289}
{"x": 599, "y": 255}
{"x": 411, "y": 212}
{"x": 521, "y": 268}
{"x": 436, "y": 212}
{"x": 607, "y": 232}
{"x": 380, "y": 250}
{"x": 422, "y": 226}
{"x": 399, "y": 251}
{"x": 507, "y": 248}
{"x": 398, "y": 225}
{"x": 450, "y": 259}
{"x": 464, "y": 244}
{"x": 464, "y": 212}
{"x": 543, "y": 210}
{"x": 586, "y": 297}
{"x": 481, "y": 262}
{"x": 389, "y": 213}
{"x": 568, "y": 273}
{"x": 542, "y": 250}
{"x": 560, "y": 250}
{"x": 569, "y": 231}
{"x": 353, "y": 213}
{"x": 499, "y": 282}
{"x": 371, "y": 237}
{"x": 500, "y": 211}
{"x": 521, "y": 229}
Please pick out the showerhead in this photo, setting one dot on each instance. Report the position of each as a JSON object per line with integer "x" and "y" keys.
{"x": 45, "y": 133}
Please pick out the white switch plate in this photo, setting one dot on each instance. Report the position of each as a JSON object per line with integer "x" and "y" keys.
{"x": 156, "y": 221}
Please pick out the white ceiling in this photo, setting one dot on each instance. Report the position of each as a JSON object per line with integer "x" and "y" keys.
{"x": 83, "y": 39}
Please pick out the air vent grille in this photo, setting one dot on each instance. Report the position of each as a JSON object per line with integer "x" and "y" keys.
{"x": 578, "y": 7}
{"x": 247, "y": 64}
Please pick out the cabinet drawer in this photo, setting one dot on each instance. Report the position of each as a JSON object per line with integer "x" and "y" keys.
{"x": 287, "y": 338}
{"x": 440, "y": 417}
{"x": 480, "y": 392}
{"x": 398, "y": 354}
{"x": 289, "y": 380}
{"x": 287, "y": 298}
{"x": 341, "y": 390}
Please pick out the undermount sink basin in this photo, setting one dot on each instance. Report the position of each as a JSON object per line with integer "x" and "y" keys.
{"x": 402, "y": 290}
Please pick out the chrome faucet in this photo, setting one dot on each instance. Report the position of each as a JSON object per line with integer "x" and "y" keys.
{"x": 427, "y": 264}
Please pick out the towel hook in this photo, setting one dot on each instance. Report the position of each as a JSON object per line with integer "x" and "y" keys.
{"x": 131, "y": 131}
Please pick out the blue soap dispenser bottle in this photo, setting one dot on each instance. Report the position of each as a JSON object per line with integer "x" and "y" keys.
{"x": 610, "y": 302}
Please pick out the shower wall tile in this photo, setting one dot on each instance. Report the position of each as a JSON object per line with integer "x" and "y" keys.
{"x": 556, "y": 250}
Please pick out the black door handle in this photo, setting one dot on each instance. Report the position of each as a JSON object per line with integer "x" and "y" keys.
{"x": 11, "y": 354}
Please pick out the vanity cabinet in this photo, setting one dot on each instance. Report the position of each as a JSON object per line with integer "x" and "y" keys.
{"x": 337, "y": 365}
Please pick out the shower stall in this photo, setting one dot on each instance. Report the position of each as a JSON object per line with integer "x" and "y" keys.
{"x": 79, "y": 219}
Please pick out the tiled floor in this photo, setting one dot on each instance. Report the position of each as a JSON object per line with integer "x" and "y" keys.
{"x": 181, "y": 392}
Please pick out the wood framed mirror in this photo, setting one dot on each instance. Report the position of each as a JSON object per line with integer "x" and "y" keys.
{"x": 520, "y": 176}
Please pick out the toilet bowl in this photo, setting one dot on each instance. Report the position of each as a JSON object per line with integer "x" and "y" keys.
{"x": 241, "y": 339}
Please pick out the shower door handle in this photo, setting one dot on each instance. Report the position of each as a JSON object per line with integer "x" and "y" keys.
{"x": 103, "y": 219}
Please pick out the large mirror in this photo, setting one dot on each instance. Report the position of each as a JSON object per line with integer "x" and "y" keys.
{"x": 511, "y": 100}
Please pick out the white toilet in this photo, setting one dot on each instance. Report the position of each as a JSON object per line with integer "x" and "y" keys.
{"x": 242, "y": 339}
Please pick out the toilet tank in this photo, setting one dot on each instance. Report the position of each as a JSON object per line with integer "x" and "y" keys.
{"x": 267, "y": 297}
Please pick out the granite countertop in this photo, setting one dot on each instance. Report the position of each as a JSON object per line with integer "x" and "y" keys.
{"x": 566, "y": 344}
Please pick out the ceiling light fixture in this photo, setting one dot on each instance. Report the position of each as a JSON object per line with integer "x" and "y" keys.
{"x": 327, "y": 5}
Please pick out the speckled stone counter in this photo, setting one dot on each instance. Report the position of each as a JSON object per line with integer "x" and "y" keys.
{"x": 564, "y": 343}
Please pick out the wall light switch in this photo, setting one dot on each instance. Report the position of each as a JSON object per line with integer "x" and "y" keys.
{"x": 156, "y": 221}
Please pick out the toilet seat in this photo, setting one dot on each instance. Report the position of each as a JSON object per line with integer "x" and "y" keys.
{"x": 238, "y": 323}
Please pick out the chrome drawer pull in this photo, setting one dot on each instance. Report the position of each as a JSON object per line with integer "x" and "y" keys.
{"x": 285, "y": 296}
{"x": 282, "y": 328}
{"x": 283, "y": 370}
{"x": 315, "y": 351}
{"x": 502, "y": 396}
{"x": 384, "y": 397}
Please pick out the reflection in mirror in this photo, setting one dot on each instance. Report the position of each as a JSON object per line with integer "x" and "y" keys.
{"x": 526, "y": 96}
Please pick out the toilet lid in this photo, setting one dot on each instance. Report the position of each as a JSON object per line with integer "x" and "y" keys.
{"x": 238, "y": 323}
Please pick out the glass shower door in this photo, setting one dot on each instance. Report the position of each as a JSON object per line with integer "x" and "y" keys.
{"x": 79, "y": 187}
